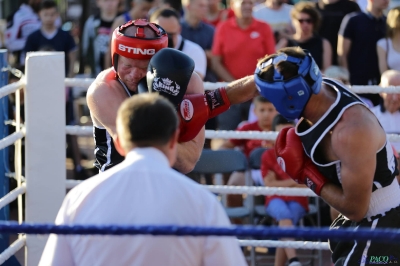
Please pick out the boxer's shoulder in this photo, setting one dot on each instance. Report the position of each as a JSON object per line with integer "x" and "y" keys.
{"x": 195, "y": 85}
{"x": 106, "y": 88}
{"x": 105, "y": 81}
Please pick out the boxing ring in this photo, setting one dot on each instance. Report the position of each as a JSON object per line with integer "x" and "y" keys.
{"x": 45, "y": 183}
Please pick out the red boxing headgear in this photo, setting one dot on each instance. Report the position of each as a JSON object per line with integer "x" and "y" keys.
{"x": 138, "y": 46}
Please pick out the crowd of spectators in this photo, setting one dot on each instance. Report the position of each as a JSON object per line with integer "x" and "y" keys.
{"x": 233, "y": 36}
{"x": 356, "y": 42}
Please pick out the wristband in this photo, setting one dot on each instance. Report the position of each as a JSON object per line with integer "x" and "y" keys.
{"x": 218, "y": 101}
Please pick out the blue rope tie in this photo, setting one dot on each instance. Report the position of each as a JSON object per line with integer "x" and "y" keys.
{"x": 306, "y": 233}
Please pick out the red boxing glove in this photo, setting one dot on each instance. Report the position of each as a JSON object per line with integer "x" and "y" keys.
{"x": 195, "y": 109}
{"x": 193, "y": 115}
{"x": 295, "y": 162}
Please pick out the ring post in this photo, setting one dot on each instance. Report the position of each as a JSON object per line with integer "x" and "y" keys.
{"x": 4, "y": 157}
{"x": 44, "y": 144}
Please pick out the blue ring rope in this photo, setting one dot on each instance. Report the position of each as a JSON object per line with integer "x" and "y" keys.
{"x": 307, "y": 233}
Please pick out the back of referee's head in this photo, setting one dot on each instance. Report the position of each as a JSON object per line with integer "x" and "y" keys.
{"x": 146, "y": 120}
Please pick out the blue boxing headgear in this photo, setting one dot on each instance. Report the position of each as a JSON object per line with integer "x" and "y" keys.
{"x": 290, "y": 96}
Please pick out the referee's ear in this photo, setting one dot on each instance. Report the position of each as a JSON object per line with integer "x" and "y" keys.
{"x": 118, "y": 146}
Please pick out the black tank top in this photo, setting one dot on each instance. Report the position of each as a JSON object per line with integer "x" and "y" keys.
{"x": 386, "y": 164}
{"x": 106, "y": 156}
{"x": 314, "y": 45}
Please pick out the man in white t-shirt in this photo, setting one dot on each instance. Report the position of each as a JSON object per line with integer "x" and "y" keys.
{"x": 143, "y": 190}
{"x": 277, "y": 14}
{"x": 388, "y": 111}
{"x": 168, "y": 19}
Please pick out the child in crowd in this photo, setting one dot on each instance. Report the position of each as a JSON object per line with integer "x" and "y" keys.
{"x": 265, "y": 112}
{"x": 286, "y": 210}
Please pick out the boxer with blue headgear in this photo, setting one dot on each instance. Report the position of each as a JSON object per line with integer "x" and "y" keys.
{"x": 338, "y": 149}
{"x": 289, "y": 95}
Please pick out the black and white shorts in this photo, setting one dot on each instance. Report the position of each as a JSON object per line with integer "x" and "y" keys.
{"x": 367, "y": 252}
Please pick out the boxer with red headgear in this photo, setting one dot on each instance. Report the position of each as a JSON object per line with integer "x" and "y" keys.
{"x": 132, "y": 46}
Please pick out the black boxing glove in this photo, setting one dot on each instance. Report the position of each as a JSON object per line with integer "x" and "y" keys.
{"x": 169, "y": 73}
{"x": 142, "y": 86}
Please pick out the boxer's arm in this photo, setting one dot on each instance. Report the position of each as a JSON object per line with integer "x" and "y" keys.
{"x": 241, "y": 90}
{"x": 103, "y": 106}
{"x": 189, "y": 152}
{"x": 356, "y": 147}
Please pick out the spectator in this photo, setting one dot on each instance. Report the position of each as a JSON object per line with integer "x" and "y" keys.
{"x": 168, "y": 19}
{"x": 286, "y": 210}
{"x": 140, "y": 186}
{"x": 363, "y": 4}
{"x": 235, "y": 59}
{"x": 277, "y": 14}
{"x": 20, "y": 25}
{"x": 174, "y": 4}
{"x": 306, "y": 21}
{"x": 358, "y": 35}
{"x": 388, "y": 111}
{"x": 197, "y": 31}
{"x": 388, "y": 48}
{"x": 139, "y": 9}
{"x": 96, "y": 35}
{"x": 332, "y": 13}
{"x": 253, "y": 38}
{"x": 216, "y": 13}
{"x": 265, "y": 112}
{"x": 339, "y": 73}
{"x": 52, "y": 37}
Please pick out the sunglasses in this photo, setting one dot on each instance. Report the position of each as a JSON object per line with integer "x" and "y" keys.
{"x": 308, "y": 21}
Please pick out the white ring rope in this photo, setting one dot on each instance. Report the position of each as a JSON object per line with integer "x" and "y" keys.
{"x": 374, "y": 89}
{"x": 211, "y": 134}
{"x": 232, "y": 134}
{"x": 78, "y": 82}
{"x": 12, "y": 195}
{"x": 10, "y": 139}
{"x": 249, "y": 190}
{"x": 85, "y": 83}
{"x": 12, "y": 249}
{"x": 285, "y": 244}
{"x": 79, "y": 130}
{"x": 258, "y": 191}
{"x": 11, "y": 88}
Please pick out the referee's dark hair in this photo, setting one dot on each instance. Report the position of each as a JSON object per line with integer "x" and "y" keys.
{"x": 280, "y": 120}
{"x": 146, "y": 120}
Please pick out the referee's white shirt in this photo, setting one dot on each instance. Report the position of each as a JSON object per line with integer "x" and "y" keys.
{"x": 142, "y": 190}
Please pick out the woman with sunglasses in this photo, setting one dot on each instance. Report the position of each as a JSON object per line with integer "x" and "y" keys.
{"x": 306, "y": 21}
